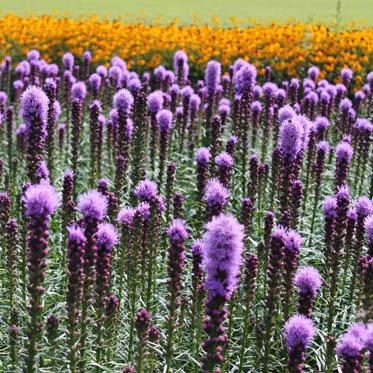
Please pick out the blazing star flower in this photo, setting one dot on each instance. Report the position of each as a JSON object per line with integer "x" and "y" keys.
{"x": 222, "y": 255}
{"x": 93, "y": 205}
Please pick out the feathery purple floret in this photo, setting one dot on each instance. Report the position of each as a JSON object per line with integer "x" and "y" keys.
{"x": 164, "y": 120}
{"x": 212, "y": 75}
{"x": 291, "y": 136}
{"x": 177, "y": 231}
{"x": 106, "y": 236}
{"x": 202, "y": 155}
{"x": 215, "y": 193}
{"x": 344, "y": 152}
{"x": 222, "y": 255}
{"x": 34, "y": 104}
{"x": 299, "y": 332}
{"x": 308, "y": 280}
{"x": 330, "y": 207}
{"x": 155, "y": 101}
{"x": 78, "y": 91}
{"x": 41, "y": 200}
{"x": 123, "y": 100}
{"x": 93, "y": 205}
{"x": 146, "y": 190}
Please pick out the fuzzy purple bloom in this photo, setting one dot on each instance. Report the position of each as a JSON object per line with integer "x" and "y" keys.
{"x": 299, "y": 332}
{"x": 78, "y": 91}
{"x": 146, "y": 190}
{"x": 123, "y": 100}
{"x": 308, "y": 280}
{"x": 41, "y": 200}
{"x": 93, "y": 205}
{"x": 330, "y": 207}
{"x": 368, "y": 224}
{"x": 216, "y": 196}
{"x": 34, "y": 104}
{"x": 291, "y": 136}
{"x": 164, "y": 120}
{"x": 202, "y": 155}
{"x": 155, "y": 101}
{"x": 222, "y": 255}
{"x": 106, "y": 236}
{"x": 212, "y": 75}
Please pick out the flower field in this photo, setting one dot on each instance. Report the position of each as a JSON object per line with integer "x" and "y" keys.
{"x": 212, "y": 214}
{"x": 289, "y": 48}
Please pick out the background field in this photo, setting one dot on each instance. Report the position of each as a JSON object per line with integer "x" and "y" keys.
{"x": 262, "y": 10}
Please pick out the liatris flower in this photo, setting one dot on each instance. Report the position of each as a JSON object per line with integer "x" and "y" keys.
{"x": 338, "y": 237}
{"x": 75, "y": 272}
{"x": 296, "y": 199}
{"x": 231, "y": 145}
{"x": 224, "y": 163}
{"x": 178, "y": 205}
{"x": 350, "y": 350}
{"x": 274, "y": 269}
{"x": 197, "y": 289}
{"x": 94, "y": 115}
{"x": 214, "y": 139}
{"x": 125, "y": 219}
{"x": 143, "y": 324}
{"x": 212, "y": 76}
{"x": 9, "y": 135}
{"x": 292, "y": 247}
{"x": 68, "y": 61}
{"x": 222, "y": 258}
{"x": 253, "y": 184}
{"x": 202, "y": 159}
{"x": 68, "y": 204}
{"x": 34, "y": 109}
{"x": 246, "y": 216}
{"x": 164, "y": 122}
{"x": 346, "y": 75}
{"x": 250, "y": 272}
{"x": 51, "y": 327}
{"x": 170, "y": 181}
{"x": 41, "y": 200}
{"x": 291, "y": 141}
{"x": 343, "y": 153}
{"x": 216, "y": 197}
{"x": 181, "y": 67}
{"x": 146, "y": 191}
{"x": 298, "y": 332}
{"x": 363, "y": 129}
{"x": 177, "y": 234}
{"x": 93, "y": 206}
{"x": 364, "y": 208}
{"x": 95, "y": 85}
{"x": 78, "y": 92}
{"x": 322, "y": 148}
{"x": 308, "y": 282}
{"x": 256, "y": 110}
{"x": 61, "y": 138}
{"x": 106, "y": 238}
{"x": 4, "y": 213}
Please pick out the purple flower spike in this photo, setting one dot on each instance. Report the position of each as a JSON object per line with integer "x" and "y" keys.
{"x": 125, "y": 216}
{"x": 212, "y": 76}
{"x": 177, "y": 231}
{"x": 344, "y": 152}
{"x": 203, "y": 155}
{"x": 299, "y": 332}
{"x": 164, "y": 120}
{"x": 216, "y": 196}
{"x": 34, "y": 105}
{"x": 291, "y": 135}
{"x": 123, "y": 100}
{"x": 222, "y": 255}
{"x": 78, "y": 91}
{"x": 349, "y": 348}
{"x": 106, "y": 236}
{"x": 93, "y": 205}
{"x": 363, "y": 207}
{"x": 146, "y": 190}
{"x": 41, "y": 200}
{"x": 155, "y": 101}
{"x": 308, "y": 280}
{"x": 330, "y": 207}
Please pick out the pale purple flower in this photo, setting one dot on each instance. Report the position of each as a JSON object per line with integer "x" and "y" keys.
{"x": 106, "y": 236}
{"x": 93, "y": 205}
{"x": 308, "y": 280}
{"x": 41, "y": 200}
{"x": 222, "y": 255}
